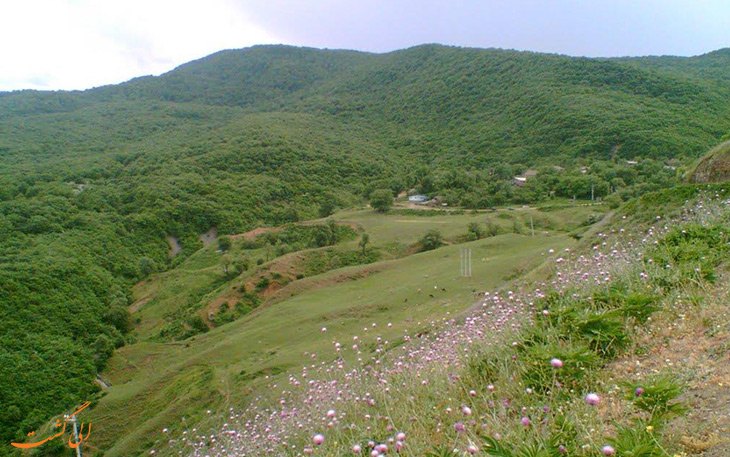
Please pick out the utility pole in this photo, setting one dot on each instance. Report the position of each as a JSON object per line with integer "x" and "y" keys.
{"x": 465, "y": 262}
{"x": 592, "y": 186}
{"x": 532, "y": 226}
{"x": 461, "y": 262}
{"x": 72, "y": 419}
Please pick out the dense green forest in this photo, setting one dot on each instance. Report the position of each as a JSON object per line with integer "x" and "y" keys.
{"x": 92, "y": 182}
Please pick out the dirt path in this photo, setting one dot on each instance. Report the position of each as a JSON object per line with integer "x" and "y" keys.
{"x": 175, "y": 247}
{"x": 209, "y": 236}
{"x": 251, "y": 234}
{"x": 138, "y": 304}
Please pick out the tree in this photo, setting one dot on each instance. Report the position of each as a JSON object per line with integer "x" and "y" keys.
{"x": 364, "y": 241}
{"x": 474, "y": 230}
{"x": 328, "y": 205}
{"x": 242, "y": 265}
{"x": 147, "y": 266}
{"x": 381, "y": 200}
{"x": 224, "y": 243}
{"x": 431, "y": 240}
{"x": 332, "y": 232}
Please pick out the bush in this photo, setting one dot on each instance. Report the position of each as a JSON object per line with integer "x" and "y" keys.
{"x": 542, "y": 377}
{"x": 263, "y": 283}
{"x": 474, "y": 231}
{"x": 657, "y": 397}
{"x": 431, "y": 240}
{"x": 224, "y": 243}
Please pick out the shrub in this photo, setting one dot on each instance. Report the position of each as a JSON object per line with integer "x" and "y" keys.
{"x": 431, "y": 240}
{"x": 542, "y": 377}
{"x": 657, "y": 397}
{"x": 224, "y": 243}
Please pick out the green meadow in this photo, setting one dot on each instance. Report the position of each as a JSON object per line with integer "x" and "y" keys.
{"x": 154, "y": 384}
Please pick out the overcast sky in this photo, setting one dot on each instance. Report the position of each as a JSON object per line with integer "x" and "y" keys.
{"x": 77, "y": 44}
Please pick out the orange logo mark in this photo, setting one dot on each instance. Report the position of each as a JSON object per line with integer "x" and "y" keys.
{"x": 80, "y": 437}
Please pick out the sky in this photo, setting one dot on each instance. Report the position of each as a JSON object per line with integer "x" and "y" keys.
{"x": 79, "y": 44}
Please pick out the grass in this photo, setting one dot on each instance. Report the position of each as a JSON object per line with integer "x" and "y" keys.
{"x": 612, "y": 306}
{"x": 154, "y": 384}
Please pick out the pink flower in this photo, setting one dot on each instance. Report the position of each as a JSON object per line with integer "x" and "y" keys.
{"x": 318, "y": 439}
{"x": 593, "y": 399}
{"x": 357, "y": 449}
{"x": 639, "y": 392}
{"x": 471, "y": 449}
{"x": 466, "y": 410}
{"x": 400, "y": 436}
{"x": 525, "y": 421}
{"x": 608, "y": 450}
{"x": 459, "y": 427}
{"x": 557, "y": 363}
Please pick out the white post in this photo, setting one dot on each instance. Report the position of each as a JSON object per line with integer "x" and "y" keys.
{"x": 470, "y": 262}
{"x": 461, "y": 261}
{"x": 72, "y": 419}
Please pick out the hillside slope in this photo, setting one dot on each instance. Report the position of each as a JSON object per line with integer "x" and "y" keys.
{"x": 93, "y": 183}
{"x": 713, "y": 167}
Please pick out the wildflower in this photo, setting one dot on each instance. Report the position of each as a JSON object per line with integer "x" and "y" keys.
{"x": 593, "y": 399}
{"x": 459, "y": 427}
{"x": 471, "y": 449}
{"x": 400, "y": 436}
{"x": 608, "y": 450}
{"x": 639, "y": 391}
{"x": 525, "y": 421}
{"x": 466, "y": 410}
{"x": 318, "y": 439}
{"x": 356, "y": 449}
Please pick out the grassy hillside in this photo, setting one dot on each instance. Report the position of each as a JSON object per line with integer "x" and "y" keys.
{"x": 617, "y": 348}
{"x": 229, "y": 365}
{"x": 93, "y": 183}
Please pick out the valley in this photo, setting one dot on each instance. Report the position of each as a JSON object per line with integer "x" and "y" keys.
{"x": 231, "y": 364}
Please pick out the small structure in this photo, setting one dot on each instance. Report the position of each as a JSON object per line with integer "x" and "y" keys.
{"x": 417, "y": 199}
{"x": 519, "y": 181}
{"x": 632, "y": 162}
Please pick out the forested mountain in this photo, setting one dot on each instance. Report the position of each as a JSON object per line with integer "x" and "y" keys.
{"x": 92, "y": 182}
